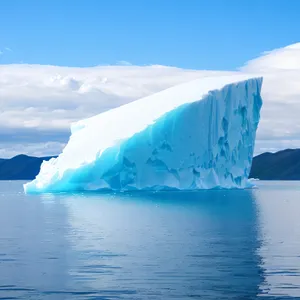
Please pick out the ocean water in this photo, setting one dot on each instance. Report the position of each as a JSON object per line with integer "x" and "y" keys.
{"x": 236, "y": 244}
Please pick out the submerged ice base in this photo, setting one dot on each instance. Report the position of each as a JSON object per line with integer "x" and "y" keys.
{"x": 198, "y": 135}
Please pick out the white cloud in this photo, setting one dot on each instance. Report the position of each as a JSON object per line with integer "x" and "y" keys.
{"x": 287, "y": 58}
{"x": 280, "y": 125}
{"x": 6, "y": 49}
{"x": 42, "y": 101}
{"x": 124, "y": 63}
{"x": 33, "y": 149}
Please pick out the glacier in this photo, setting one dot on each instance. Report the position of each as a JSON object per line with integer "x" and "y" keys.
{"x": 197, "y": 135}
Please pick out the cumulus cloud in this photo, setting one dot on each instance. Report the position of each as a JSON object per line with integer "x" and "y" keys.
{"x": 280, "y": 126}
{"x": 286, "y": 58}
{"x": 38, "y": 103}
{"x": 34, "y": 149}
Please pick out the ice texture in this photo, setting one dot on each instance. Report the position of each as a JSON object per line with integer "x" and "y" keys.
{"x": 197, "y": 135}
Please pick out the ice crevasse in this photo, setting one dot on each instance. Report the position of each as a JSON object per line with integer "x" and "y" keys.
{"x": 197, "y": 135}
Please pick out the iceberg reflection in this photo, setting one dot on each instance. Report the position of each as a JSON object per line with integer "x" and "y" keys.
{"x": 168, "y": 244}
{"x": 278, "y": 206}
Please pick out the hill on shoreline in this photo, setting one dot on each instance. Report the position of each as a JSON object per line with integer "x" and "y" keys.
{"x": 282, "y": 165}
{"x": 21, "y": 167}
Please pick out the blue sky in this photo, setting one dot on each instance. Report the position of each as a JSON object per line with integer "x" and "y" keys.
{"x": 197, "y": 34}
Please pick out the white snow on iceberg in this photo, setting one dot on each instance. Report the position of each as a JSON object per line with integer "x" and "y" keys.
{"x": 197, "y": 135}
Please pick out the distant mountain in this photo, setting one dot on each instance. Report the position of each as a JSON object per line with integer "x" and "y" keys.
{"x": 20, "y": 167}
{"x": 282, "y": 165}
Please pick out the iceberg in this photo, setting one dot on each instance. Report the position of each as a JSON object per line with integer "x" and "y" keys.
{"x": 197, "y": 135}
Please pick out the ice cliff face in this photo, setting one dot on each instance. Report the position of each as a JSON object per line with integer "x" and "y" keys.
{"x": 198, "y": 135}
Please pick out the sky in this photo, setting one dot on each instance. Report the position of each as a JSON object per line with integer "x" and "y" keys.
{"x": 194, "y": 34}
{"x": 61, "y": 61}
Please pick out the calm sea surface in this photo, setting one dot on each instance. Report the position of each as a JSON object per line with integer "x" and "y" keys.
{"x": 238, "y": 244}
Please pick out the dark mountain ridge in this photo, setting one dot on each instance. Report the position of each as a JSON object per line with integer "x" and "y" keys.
{"x": 282, "y": 165}
{"x": 20, "y": 167}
